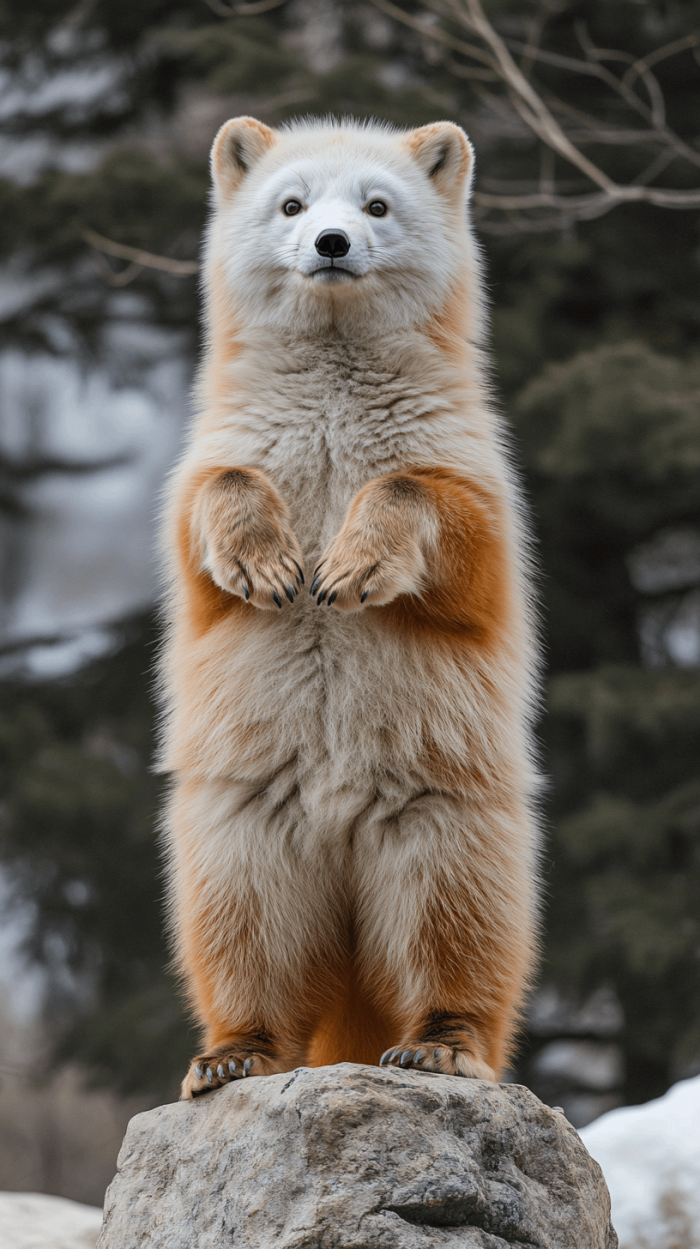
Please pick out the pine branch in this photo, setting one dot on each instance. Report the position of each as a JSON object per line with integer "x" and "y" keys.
{"x": 139, "y": 260}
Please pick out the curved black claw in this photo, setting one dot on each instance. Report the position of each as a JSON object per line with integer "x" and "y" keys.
{"x": 363, "y": 596}
{"x": 246, "y": 593}
{"x": 290, "y": 591}
{"x": 277, "y": 598}
{"x": 299, "y": 570}
{"x": 389, "y": 1056}
{"x": 403, "y": 1058}
{"x": 314, "y": 585}
{"x": 321, "y": 597}
{"x": 332, "y": 597}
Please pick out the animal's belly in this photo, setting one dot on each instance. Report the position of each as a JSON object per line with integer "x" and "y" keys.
{"x": 338, "y": 692}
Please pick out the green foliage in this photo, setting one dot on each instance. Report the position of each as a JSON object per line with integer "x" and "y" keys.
{"x": 131, "y": 197}
{"x": 79, "y": 810}
{"x": 619, "y": 699}
{"x": 239, "y": 54}
{"x": 615, "y": 408}
{"x": 626, "y": 853}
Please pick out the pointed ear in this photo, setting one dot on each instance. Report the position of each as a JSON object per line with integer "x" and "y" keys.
{"x": 238, "y": 145}
{"x": 445, "y": 154}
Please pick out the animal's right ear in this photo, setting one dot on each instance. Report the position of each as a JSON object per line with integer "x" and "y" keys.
{"x": 239, "y": 144}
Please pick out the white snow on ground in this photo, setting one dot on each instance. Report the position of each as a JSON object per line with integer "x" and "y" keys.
{"x": 35, "y": 1221}
{"x": 650, "y": 1157}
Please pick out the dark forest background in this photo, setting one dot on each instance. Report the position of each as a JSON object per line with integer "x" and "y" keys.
{"x": 596, "y": 334}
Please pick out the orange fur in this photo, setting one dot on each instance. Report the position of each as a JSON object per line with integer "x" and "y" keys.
{"x": 350, "y": 832}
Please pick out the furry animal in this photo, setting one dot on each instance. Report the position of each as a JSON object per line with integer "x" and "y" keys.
{"x": 350, "y": 832}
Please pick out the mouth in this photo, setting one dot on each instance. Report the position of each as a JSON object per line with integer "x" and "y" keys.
{"x": 333, "y": 273}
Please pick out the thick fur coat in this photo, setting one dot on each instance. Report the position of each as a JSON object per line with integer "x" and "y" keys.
{"x": 350, "y": 832}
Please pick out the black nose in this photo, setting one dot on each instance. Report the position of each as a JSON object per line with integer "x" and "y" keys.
{"x": 332, "y": 243}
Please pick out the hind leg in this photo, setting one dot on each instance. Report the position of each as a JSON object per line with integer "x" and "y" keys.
{"x": 257, "y": 919}
{"x": 445, "y": 929}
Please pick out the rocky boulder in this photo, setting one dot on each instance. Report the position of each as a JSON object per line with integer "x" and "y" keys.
{"x": 355, "y": 1157}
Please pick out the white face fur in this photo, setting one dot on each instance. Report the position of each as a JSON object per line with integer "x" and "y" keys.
{"x": 347, "y": 226}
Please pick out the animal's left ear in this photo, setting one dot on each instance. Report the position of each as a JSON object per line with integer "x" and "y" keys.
{"x": 445, "y": 154}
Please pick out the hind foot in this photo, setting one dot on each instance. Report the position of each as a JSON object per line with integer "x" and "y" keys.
{"x": 222, "y": 1065}
{"x": 445, "y": 1042}
{"x": 446, "y": 1059}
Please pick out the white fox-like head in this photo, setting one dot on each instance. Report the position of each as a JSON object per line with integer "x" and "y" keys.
{"x": 341, "y": 224}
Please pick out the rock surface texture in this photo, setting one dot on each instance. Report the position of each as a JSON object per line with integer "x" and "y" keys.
{"x": 354, "y": 1157}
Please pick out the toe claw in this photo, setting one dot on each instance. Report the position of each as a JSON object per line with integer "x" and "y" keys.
{"x": 290, "y": 591}
{"x": 301, "y": 574}
{"x": 419, "y": 1056}
{"x": 321, "y": 597}
{"x": 232, "y": 1067}
{"x": 246, "y": 593}
{"x": 199, "y": 1071}
{"x": 220, "y": 1072}
{"x": 363, "y": 596}
{"x": 394, "y": 1052}
{"x": 210, "y": 1076}
{"x": 437, "y": 1055}
{"x": 277, "y": 598}
{"x": 384, "y": 1058}
{"x": 332, "y": 597}
{"x": 405, "y": 1058}
{"x": 314, "y": 585}
{"x": 247, "y": 1066}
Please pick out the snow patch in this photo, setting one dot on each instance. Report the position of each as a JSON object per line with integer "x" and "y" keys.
{"x": 35, "y": 1221}
{"x": 650, "y": 1157}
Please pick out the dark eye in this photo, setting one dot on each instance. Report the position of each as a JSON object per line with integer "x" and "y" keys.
{"x": 291, "y": 208}
{"x": 377, "y": 208}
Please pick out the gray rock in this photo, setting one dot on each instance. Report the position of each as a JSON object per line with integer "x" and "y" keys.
{"x": 354, "y": 1157}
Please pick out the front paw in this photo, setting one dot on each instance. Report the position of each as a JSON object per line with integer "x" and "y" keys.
{"x": 265, "y": 570}
{"x": 244, "y": 538}
{"x": 359, "y": 571}
{"x": 212, "y": 1071}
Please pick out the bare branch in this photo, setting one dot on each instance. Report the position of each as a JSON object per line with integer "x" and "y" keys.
{"x": 657, "y": 166}
{"x": 658, "y": 111}
{"x": 529, "y": 104}
{"x": 661, "y": 54}
{"x": 655, "y": 115}
{"x": 534, "y": 38}
{"x": 595, "y": 204}
{"x": 138, "y": 259}
{"x": 549, "y": 118}
{"x": 434, "y": 32}
{"x": 470, "y": 72}
{"x": 243, "y": 10}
